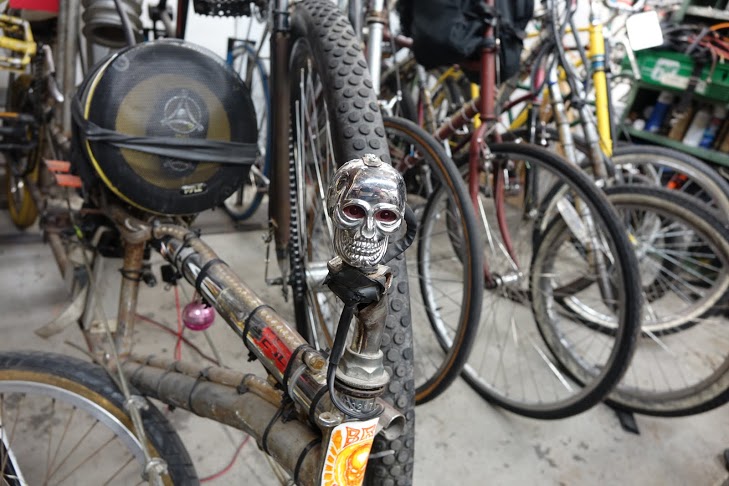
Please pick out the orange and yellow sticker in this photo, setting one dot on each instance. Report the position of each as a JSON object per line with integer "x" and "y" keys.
{"x": 347, "y": 453}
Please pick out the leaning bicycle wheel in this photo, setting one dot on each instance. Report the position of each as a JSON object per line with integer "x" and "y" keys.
{"x": 512, "y": 362}
{"x": 681, "y": 365}
{"x": 21, "y": 165}
{"x": 62, "y": 420}
{"x": 676, "y": 171}
{"x": 653, "y": 165}
{"x": 335, "y": 118}
{"x": 244, "y": 202}
{"x": 448, "y": 275}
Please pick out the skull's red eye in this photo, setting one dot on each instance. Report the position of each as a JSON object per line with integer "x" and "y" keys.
{"x": 354, "y": 211}
{"x": 386, "y": 216}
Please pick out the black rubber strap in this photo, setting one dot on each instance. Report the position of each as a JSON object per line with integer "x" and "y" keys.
{"x": 184, "y": 260}
{"x": 290, "y": 365}
{"x": 172, "y": 368}
{"x": 192, "y": 149}
{"x": 127, "y": 274}
{"x": 302, "y": 457}
{"x": 188, "y": 236}
{"x": 246, "y": 324}
{"x": 204, "y": 271}
{"x": 315, "y": 403}
{"x": 185, "y": 244}
{"x": 274, "y": 419}
{"x": 203, "y": 376}
{"x": 242, "y": 387}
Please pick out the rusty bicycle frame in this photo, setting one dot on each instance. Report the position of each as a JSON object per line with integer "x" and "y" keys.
{"x": 244, "y": 401}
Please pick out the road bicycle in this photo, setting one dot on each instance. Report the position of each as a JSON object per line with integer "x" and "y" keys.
{"x": 661, "y": 380}
{"x": 325, "y": 407}
{"x": 522, "y": 328}
{"x": 659, "y": 255}
{"x": 631, "y": 162}
{"x": 247, "y": 57}
{"x": 697, "y": 297}
{"x": 27, "y": 113}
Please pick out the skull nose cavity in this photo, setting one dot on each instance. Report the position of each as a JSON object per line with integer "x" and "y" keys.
{"x": 368, "y": 228}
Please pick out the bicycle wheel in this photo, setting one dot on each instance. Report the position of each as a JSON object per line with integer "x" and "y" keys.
{"x": 676, "y": 171}
{"x": 244, "y": 202}
{"x": 22, "y": 208}
{"x": 20, "y": 164}
{"x": 652, "y": 165}
{"x": 335, "y": 118}
{"x": 511, "y": 363}
{"x": 75, "y": 408}
{"x": 449, "y": 276}
{"x": 681, "y": 365}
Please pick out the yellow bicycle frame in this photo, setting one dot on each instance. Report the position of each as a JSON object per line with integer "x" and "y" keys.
{"x": 24, "y": 46}
{"x": 596, "y": 54}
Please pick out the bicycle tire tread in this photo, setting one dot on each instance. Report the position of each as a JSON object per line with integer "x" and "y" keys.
{"x": 356, "y": 123}
{"x": 446, "y": 174}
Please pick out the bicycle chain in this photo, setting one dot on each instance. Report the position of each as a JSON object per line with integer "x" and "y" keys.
{"x": 296, "y": 278}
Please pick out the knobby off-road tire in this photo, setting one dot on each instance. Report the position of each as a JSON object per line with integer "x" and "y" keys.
{"x": 331, "y": 94}
{"x": 448, "y": 257}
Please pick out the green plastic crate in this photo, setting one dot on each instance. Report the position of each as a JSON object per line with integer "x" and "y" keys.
{"x": 668, "y": 69}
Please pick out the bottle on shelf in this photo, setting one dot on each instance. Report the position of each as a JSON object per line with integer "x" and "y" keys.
{"x": 680, "y": 119}
{"x": 655, "y": 121}
{"x": 722, "y": 142}
{"x": 707, "y": 140}
{"x": 696, "y": 130}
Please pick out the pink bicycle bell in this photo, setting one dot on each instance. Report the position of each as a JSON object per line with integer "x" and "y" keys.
{"x": 197, "y": 316}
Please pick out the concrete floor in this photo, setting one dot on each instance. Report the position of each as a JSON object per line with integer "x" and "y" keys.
{"x": 460, "y": 438}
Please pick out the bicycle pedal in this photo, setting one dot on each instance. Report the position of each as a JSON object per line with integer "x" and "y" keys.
{"x": 58, "y": 166}
{"x": 16, "y": 117}
{"x": 68, "y": 180}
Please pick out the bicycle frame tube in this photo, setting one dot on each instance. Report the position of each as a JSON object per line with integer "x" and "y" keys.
{"x": 560, "y": 116}
{"x": 376, "y": 19}
{"x": 296, "y": 366}
{"x": 599, "y": 80}
{"x": 354, "y": 14}
{"x": 131, "y": 276}
{"x": 296, "y": 447}
{"x": 279, "y": 209}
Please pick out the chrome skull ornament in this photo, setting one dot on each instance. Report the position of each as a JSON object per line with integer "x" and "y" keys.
{"x": 366, "y": 202}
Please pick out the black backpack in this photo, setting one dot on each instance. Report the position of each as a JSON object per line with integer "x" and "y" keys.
{"x": 447, "y": 32}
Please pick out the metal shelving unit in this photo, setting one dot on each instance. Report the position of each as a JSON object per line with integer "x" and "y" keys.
{"x": 712, "y": 15}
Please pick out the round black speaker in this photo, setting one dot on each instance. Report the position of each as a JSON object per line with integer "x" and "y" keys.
{"x": 167, "y": 126}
